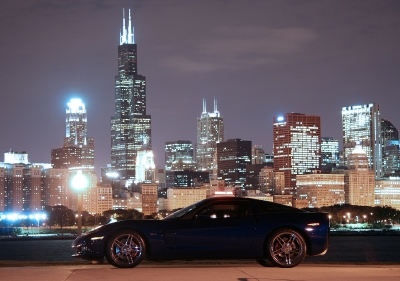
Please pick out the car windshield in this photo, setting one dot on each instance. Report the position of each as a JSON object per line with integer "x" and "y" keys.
{"x": 181, "y": 212}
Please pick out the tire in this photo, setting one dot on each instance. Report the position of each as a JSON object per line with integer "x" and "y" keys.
{"x": 125, "y": 249}
{"x": 286, "y": 248}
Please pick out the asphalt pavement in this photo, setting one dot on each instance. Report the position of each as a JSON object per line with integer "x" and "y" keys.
{"x": 201, "y": 273}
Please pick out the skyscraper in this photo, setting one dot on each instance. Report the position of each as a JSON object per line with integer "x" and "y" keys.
{"x": 362, "y": 126}
{"x": 78, "y": 148}
{"x": 233, "y": 156}
{"x": 210, "y": 131}
{"x": 297, "y": 146}
{"x": 130, "y": 126}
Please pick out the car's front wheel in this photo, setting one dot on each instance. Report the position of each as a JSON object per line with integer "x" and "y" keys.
{"x": 286, "y": 248}
{"x": 125, "y": 248}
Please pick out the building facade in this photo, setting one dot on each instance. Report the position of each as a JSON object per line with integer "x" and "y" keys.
{"x": 233, "y": 156}
{"x": 359, "y": 180}
{"x": 179, "y": 156}
{"x": 387, "y": 192}
{"x": 130, "y": 125}
{"x": 297, "y": 146}
{"x": 329, "y": 153}
{"x": 362, "y": 126}
{"x": 320, "y": 189}
{"x": 149, "y": 199}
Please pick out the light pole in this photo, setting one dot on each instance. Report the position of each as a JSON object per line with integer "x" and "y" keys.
{"x": 79, "y": 182}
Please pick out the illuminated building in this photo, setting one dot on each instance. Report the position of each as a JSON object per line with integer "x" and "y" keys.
{"x": 270, "y": 181}
{"x": 149, "y": 198}
{"x": 21, "y": 183}
{"x": 258, "y": 155}
{"x": 233, "y": 156}
{"x": 179, "y": 156}
{"x": 320, "y": 189}
{"x": 359, "y": 180}
{"x": 390, "y": 147}
{"x": 145, "y": 168}
{"x": 190, "y": 178}
{"x": 387, "y": 192}
{"x": 100, "y": 200}
{"x": 183, "y": 197}
{"x": 56, "y": 188}
{"x": 210, "y": 131}
{"x": 388, "y": 132}
{"x": 362, "y": 126}
{"x": 78, "y": 148}
{"x": 252, "y": 176}
{"x": 76, "y": 132}
{"x": 297, "y": 146}
{"x": 391, "y": 157}
{"x": 130, "y": 125}
{"x": 329, "y": 153}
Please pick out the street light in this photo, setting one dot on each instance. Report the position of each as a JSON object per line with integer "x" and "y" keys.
{"x": 79, "y": 182}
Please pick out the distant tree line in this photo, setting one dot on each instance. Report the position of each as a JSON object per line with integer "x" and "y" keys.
{"x": 346, "y": 213}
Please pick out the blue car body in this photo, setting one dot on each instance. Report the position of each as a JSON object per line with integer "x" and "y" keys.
{"x": 215, "y": 228}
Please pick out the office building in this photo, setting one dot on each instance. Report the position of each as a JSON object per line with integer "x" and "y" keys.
{"x": 78, "y": 148}
{"x": 130, "y": 125}
{"x": 391, "y": 158}
{"x": 320, "y": 190}
{"x": 179, "y": 156}
{"x": 210, "y": 132}
{"x": 362, "y": 126}
{"x": 21, "y": 186}
{"x": 149, "y": 198}
{"x": 258, "y": 155}
{"x": 329, "y": 154}
{"x": 387, "y": 192}
{"x": 270, "y": 181}
{"x": 145, "y": 167}
{"x": 190, "y": 178}
{"x": 233, "y": 156}
{"x": 359, "y": 179}
{"x": 297, "y": 146}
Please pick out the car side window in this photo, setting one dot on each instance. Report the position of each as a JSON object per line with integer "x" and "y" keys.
{"x": 225, "y": 210}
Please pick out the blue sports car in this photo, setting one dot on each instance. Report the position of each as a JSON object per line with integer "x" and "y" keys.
{"x": 214, "y": 228}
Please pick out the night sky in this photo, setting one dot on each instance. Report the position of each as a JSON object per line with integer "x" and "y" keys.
{"x": 259, "y": 59}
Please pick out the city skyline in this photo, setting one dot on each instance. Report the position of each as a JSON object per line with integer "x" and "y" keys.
{"x": 275, "y": 58}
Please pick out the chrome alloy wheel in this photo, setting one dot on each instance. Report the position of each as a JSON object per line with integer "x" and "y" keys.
{"x": 286, "y": 248}
{"x": 125, "y": 249}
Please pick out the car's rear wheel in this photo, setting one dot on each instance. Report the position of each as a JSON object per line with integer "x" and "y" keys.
{"x": 125, "y": 249}
{"x": 286, "y": 248}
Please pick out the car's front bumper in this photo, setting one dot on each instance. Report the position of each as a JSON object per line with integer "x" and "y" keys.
{"x": 88, "y": 249}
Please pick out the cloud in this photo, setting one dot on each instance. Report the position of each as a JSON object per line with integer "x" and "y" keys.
{"x": 242, "y": 47}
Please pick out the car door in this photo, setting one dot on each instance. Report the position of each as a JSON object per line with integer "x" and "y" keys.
{"x": 222, "y": 229}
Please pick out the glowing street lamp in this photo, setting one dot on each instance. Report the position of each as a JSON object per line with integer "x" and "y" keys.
{"x": 79, "y": 182}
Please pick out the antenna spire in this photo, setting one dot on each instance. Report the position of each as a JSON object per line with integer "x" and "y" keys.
{"x": 126, "y": 36}
{"x": 131, "y": 39}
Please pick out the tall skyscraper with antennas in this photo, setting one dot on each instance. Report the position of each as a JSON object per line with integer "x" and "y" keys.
{"x": 210, "y": 131}
{"x": 130, "y": 125}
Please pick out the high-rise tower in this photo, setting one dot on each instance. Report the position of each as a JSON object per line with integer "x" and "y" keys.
{"x": 130, "y": 126}
{"x": 78, "y": 148}
{"x": 362, "y": 126}
{"x": 297, "y": 146}
{"x": 210, "y": 131}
